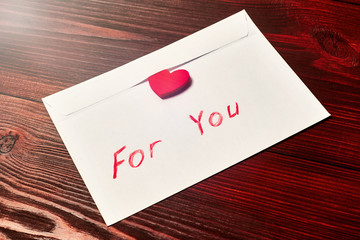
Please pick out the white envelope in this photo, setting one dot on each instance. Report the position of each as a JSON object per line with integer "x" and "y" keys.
{"x": 243, "y": 99}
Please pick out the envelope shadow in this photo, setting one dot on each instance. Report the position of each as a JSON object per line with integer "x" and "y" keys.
{"x": 179, "y": 90}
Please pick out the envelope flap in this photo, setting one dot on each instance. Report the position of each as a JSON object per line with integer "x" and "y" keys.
{"x": 113, "y": 82}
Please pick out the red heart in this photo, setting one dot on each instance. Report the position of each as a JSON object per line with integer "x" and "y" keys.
{"x": 166, "y": 84}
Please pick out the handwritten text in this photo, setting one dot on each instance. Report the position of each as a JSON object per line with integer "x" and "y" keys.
{"x": 215, "y": 118}
{"x": 139, "y": 152}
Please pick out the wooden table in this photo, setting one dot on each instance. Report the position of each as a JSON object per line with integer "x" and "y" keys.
{"x": 306, "y": 187}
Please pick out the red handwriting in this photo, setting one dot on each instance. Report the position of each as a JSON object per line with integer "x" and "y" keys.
{"x": 152, "y": 147}
{"x": 132, "y": 155}
{"x": 231, "y": 115}
{"x": 136, "y": 153}
{"x": 215, "y": 118}
{"x": 219, "y": 121}
{"x": 198, "y": 121}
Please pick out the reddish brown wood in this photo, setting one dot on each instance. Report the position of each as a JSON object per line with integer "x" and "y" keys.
{"x": 306, "y": 187}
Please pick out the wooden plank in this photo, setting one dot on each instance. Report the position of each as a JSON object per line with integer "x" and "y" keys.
{"x": 305, "y": 187}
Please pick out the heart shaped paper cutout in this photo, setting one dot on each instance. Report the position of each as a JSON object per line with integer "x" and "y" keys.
{"x": 166, "y": 84}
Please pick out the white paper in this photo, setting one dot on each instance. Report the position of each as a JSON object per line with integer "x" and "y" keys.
{"x": 245, "y": 71}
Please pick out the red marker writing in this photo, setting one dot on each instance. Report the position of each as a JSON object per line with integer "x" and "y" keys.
{"x": 138, "y": 154}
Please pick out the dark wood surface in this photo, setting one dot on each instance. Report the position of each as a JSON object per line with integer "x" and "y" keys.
{"x": 306, "y": 187}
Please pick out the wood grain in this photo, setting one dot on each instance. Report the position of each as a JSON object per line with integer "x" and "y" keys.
{"x": 306, "y": 187}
